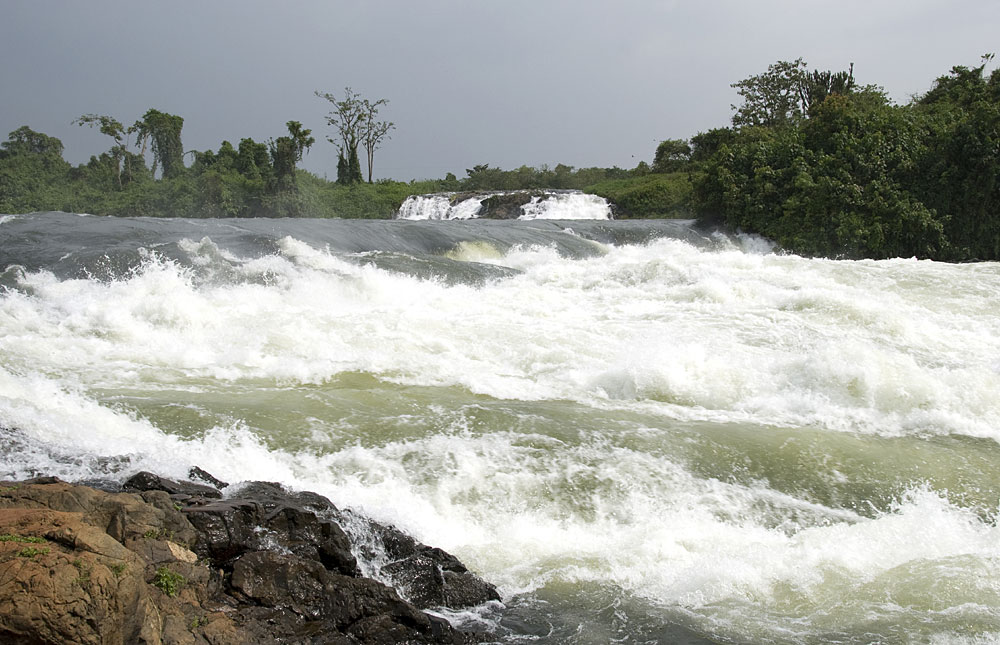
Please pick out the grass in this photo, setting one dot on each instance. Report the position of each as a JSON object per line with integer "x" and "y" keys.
{"x": 168, "y": 582}
{"x": 21, "y": 539}
{"x": 30, "y": 552}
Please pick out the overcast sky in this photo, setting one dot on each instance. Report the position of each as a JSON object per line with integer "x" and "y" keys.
{"x": 505, "y": 83}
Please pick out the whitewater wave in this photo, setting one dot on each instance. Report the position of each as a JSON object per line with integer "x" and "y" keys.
{"x": 794, "y": 342}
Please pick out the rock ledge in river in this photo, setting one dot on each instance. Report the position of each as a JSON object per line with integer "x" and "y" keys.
{"x": 173, "y": 563}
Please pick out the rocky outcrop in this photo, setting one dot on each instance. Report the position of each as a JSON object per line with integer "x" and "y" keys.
{"x": 505, "y": 205}
{"x": 176, "y": 563}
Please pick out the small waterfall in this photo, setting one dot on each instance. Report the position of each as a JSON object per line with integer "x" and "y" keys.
{"x": 547, "y": 204}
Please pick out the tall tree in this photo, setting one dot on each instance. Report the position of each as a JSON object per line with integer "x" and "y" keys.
{"x": 287, "y": 151}
{"x": 164, "y": 132}
{"x": 113, "y": 128}
{"x": 346, "y": 118}
{"x": 373, "y": 131}
{"x": 356, "y": 122}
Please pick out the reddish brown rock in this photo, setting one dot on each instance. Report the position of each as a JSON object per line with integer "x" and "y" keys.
{"x": 80, "y": 565}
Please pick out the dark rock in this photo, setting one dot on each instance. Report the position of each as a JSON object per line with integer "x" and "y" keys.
{"x": 426, "y": 576}
{"x": 365, "y": 609}
{"x": 208, "y": 478}
{"x": 505, "y": 205}
{"x": 266, "y": 517}
{"x": 145, "y": 481}
{"x": 106, "y": 485}
{"x": 226, "y": 528}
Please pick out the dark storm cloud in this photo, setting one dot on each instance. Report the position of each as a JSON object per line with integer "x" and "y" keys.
{"x": 505, "y": 83}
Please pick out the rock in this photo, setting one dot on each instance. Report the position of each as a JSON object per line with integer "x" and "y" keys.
{"x": 505, "y": 205}
{"x": 54, "y": 593}
{"x": 198, "y": 473}
{"x": 145, "y": 481}
{"x": 265, "y": 517}
{"x": 430, "y": 577}
{"x": 80, "y": 565}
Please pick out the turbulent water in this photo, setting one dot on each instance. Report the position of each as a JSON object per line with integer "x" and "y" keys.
{"x": 551, "y": 204}
{"x": 642, "y": 433}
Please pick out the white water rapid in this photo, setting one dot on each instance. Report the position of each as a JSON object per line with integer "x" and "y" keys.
{"x": 678, "y": 439}
{"x": 548, "y": 205}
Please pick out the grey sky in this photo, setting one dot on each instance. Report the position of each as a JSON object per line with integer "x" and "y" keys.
{"x": 505, "y": 83}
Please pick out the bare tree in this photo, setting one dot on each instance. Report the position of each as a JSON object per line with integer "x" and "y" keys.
{"x": 373, "y": 131}
{"x": 346, "y": 118}
{"x": 355, "y": 120}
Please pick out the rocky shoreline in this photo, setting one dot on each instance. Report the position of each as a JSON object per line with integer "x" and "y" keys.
{"x": 158, "y": 561}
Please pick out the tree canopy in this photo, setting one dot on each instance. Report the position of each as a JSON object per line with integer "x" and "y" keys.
{"x": 827, "y": 167}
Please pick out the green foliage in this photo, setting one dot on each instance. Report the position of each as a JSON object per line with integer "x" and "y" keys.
{"x": 286, "y": 152}
{"x": 486, "y": 177}
{"x": 814, "y": 161}
{"x": 784, "y": 94}
{"x": 356, "y": 121}
{"x": 671, "y": 155}
{"x": 164, "y": 131}
{"x": 22, "y": 539}
{"x": 168, "y": 582}
{"x": 856, "y": 176}
{"x": 959, "y": 174}
{"x": 30, "y": 552}
{"x": 33, "y": 174}
{"x": 119, "y": 569}
{"x": 84, "y": 578}
{"x": 655, "y": 195}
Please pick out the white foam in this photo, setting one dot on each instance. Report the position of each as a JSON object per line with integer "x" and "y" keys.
{"x": 890, "y": 348}
{"x": 555, "y": 205}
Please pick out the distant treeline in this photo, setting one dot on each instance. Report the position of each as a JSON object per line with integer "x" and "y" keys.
{"x": 252, "y": 179}
{"x": 813, "y": 160}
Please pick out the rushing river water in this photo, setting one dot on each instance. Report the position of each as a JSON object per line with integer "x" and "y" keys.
{"x": 641, "y": 433}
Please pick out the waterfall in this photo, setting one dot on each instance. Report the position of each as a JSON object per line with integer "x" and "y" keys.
{"x": 547, "y": 204}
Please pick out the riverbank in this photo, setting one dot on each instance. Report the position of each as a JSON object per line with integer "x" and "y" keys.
{"x": 156, "y": 561}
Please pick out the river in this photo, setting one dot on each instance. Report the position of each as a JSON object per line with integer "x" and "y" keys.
{"x": 639, "y": 431}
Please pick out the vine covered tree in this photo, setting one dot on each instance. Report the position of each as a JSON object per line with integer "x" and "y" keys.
{"x": 164, "y": 132}
{"x": 287, "y": 151}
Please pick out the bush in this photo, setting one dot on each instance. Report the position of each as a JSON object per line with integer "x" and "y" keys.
{"x": 653, "y": 195}
{"x": 167, "y": 581}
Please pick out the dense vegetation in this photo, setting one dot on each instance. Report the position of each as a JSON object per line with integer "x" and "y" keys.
{"x": 813, "y": 160}
{"x": 252, "y": 179}
{"x": 825, "y": 166}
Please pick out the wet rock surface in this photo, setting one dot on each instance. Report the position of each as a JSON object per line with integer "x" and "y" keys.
{"x": 174, "y": 562}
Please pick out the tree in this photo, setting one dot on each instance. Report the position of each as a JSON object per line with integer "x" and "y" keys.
{"x": 253, "y": 160}
{"x": 356, "y": 121}
{"x": 373, "y": 131}
{"x": 706, "y": 144}
{"x": 671, "y": 155}
{"x": 958, "y": 173}
{"x": 113, "y": 128}
{"x": 786, "y": 92}
{"x": 33, "y": 174}
{"x": 164, "y": 132}
{"x": 24, "y": 140}
{"x": 772, "y": 98}
{"x": 346, "y": 118}
{"x": 287, "y": 151}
